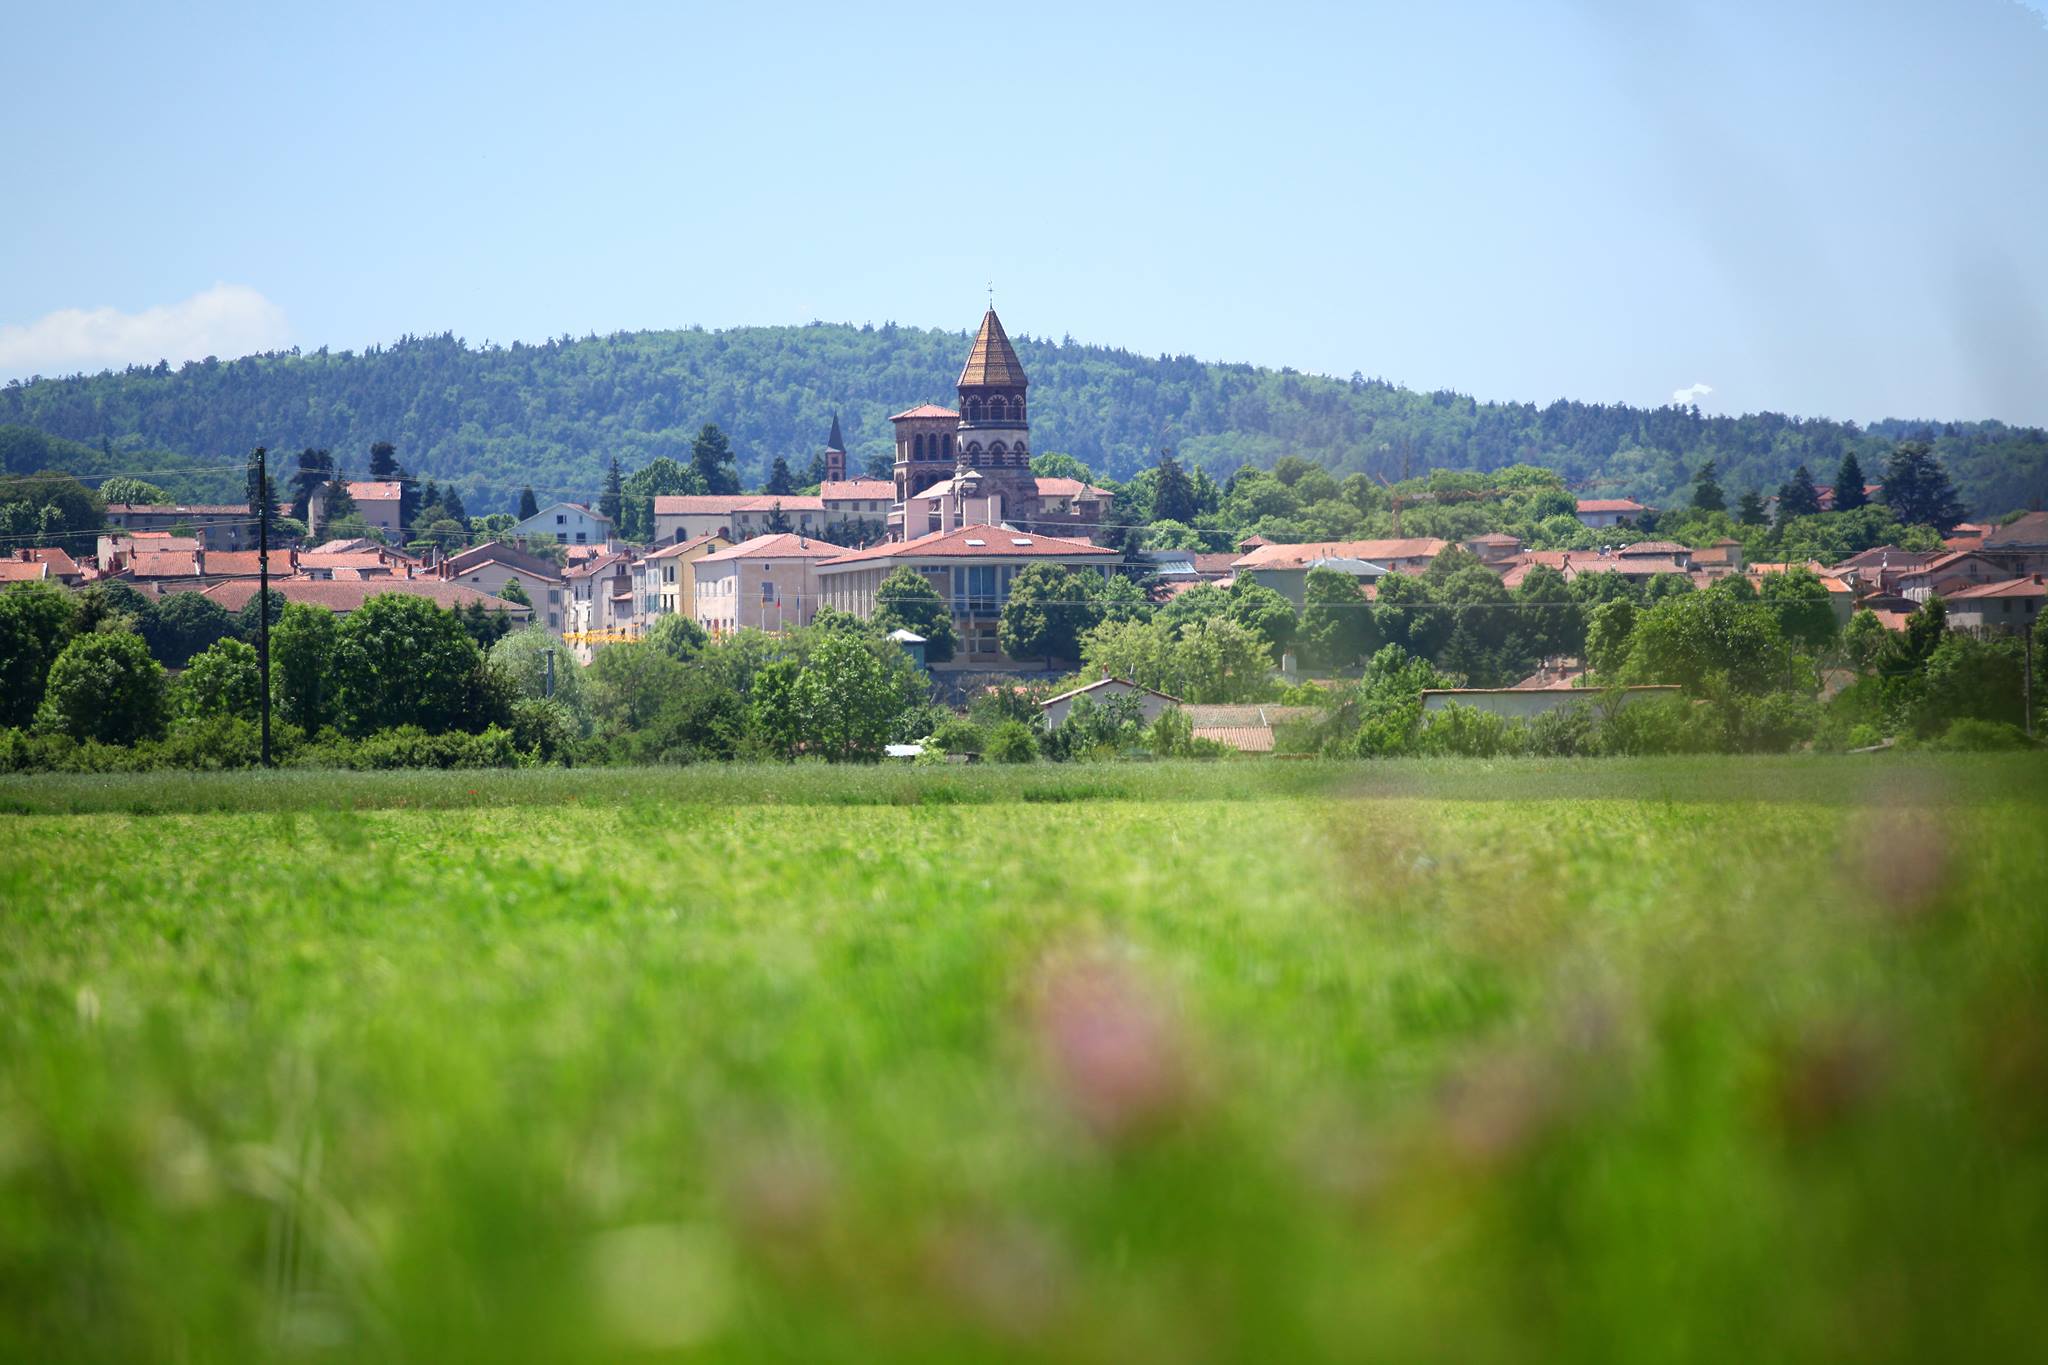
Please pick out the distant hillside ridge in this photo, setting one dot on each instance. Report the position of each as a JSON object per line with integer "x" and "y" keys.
{"x": 494, "y": 419}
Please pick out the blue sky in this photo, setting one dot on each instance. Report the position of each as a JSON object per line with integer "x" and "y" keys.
{"x": 1831, "y": 209}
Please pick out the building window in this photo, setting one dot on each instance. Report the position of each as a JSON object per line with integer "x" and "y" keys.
{"x": 768, "y": 590}
{"x": 975, "y": 589}
{"x": 561, "y": 518}
{"x": 580, "y": 537}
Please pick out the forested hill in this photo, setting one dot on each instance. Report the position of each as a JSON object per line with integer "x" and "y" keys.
{"x": 495, "y": 419}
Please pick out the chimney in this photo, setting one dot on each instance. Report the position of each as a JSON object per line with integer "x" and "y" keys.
{"x": 948, "y": 506}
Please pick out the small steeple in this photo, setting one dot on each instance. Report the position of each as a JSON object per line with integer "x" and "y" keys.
{"x": 835, "y": 441}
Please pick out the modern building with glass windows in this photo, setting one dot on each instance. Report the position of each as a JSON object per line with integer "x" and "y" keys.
{"x": 972, "y": 568}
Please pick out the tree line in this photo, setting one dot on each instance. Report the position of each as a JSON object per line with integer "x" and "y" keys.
{"x": 490, "y": 420}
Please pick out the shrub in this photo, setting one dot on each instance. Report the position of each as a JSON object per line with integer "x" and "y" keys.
{"x": 1971, "y": 736}
{"x": 211, "y": 744}
{"x": 545, "y": 729}
{"x": 1467, "y": 732}
{"x": 1012, "y": 741}
{"x": 1171, "y": 734}
{"x": 1567, "y": 732}
{"x": 1663, "y": 725}
{"x": 408, "y": 746}
{"x": 956, "y": 735}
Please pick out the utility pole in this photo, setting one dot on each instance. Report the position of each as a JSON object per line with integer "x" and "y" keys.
{"x": 263, "y": 595}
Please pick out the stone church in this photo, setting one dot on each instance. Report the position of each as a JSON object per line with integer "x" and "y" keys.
{"x": 972, "y": 467}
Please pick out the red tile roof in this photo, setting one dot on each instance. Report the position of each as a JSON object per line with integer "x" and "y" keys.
{"x": 856, "y": 490}
{"x": 1611, "y": 505}
{"x": 1377, "y": 551}
{"x": 2012, "y": 587}
{"x": 724, "y": 504}
{"x": 925, "y": 410}
{"x": 16, "y": 571}
{"x": 1886, "y": 555}
{"x": 782, "y": 545}
{"x": 164, "y": 564}
{"x": 349, "y": 559}
{"x": 1944, "y": 561}
{"x": 497, "y": 552}
{"x": 1246, "y": 739}
{"x": 976, "y": 542}
{"x": 1070, "y": 488}
{"x": 237, "y": 563}
{"x": 1667, "y": 548}
{"x": 683, "y": 546}
{"x": 60, "y": 562}
{"x": 2031, "y": 529}
{"x": 157, "y": 542}
{"x": 595, "y": 565}
{"x": 376, "y": 490}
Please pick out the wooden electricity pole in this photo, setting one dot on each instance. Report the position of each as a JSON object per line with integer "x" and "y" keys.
{"x": 263, "y": 595}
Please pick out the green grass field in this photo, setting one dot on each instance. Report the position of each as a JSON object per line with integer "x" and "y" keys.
{"x": 1706, "y": 1060}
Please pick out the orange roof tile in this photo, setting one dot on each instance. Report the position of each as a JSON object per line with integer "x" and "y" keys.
{"x": 1069, "y": 488}
{"x": 975, "y": 542}
{"x": 850, "y": 490}
{"x": 782, "y": 545}
{"x": 925, "y": 410}
{"x": 725, "y": 504}
{"x": 1377, "y": 551}
{"x": 2012, "y": 587}
{"x": 683, "y": 546}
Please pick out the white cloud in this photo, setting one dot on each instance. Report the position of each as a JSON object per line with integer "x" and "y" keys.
{"x": 1690, "y": 394}
{"x": 226, "y": 320}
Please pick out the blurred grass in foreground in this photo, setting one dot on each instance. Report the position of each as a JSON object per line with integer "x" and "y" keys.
{"x": 1451, "y": 1061}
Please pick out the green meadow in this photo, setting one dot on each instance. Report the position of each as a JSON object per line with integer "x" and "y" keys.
{"x": 1698, "y": 1060}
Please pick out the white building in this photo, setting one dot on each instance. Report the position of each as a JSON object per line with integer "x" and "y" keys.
{"x": 566, "y": 523}
{"x": 736, "y": 516}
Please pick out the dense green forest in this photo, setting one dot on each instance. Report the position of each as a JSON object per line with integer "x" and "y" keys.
{"x": 495, "y": 419}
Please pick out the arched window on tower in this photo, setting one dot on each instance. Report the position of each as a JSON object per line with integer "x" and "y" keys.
{"x": 917, "y": 446}
{"x": 974, "y": 454}
{"x": 971, "y": 410}
{"x": 997, "y": 453}
{"x": 1017, "y": 409}
{"x": 998, "y": 410}
{"x": 1019, "y": 454}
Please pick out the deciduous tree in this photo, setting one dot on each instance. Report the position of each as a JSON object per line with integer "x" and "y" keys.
{"x": 906, "y": 600}
{"x": 402, "y": 660}
{"x": 106, "y": 687}
{"x": 36, "y": 621}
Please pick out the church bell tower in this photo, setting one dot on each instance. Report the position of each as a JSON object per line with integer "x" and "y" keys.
{"x": 995, "y": 437}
